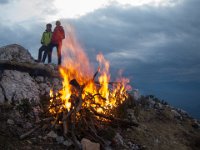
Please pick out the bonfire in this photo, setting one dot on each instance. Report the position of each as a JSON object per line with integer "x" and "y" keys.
{"x": 88, "y": 100}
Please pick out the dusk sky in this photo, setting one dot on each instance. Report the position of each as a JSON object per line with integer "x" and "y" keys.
{"x": 155, "y": 42}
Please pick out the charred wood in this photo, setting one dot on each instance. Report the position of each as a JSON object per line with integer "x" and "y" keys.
{"x": 118, "y": 120}
{"x": 29, "y": 132}
{"x": 23, "y": 136}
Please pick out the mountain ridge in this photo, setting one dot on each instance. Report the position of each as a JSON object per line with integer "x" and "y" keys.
{"x": 24, "y": 99}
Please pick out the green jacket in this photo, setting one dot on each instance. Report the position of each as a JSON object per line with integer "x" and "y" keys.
{"x": 46, "y": 38}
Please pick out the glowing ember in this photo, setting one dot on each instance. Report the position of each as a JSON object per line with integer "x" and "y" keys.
{"x": 78, "y": 80}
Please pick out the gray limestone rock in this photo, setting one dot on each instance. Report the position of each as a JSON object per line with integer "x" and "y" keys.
{"x": 88, "y": 145}
{"x": 39, "y": 79}
{"x": 44, "y": 88}
{"x": 18, "y": 85}
{"x": 16, "y": 53}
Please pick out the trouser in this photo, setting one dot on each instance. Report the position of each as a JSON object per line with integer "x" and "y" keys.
{"x": 43, "y": 48}
{"x": 49, "y": 52}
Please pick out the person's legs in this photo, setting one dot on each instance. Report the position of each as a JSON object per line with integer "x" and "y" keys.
{"x": 50, "y": 49}
{"x": 59, "y": 53}
{"x": 42, "y": 48}
{"x": 46, "y": 52}
{"x": 45, "y": 55}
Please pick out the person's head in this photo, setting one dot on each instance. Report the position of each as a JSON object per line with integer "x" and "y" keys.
{"x": 58, "y": 23}
{"x": 48, "y": 27}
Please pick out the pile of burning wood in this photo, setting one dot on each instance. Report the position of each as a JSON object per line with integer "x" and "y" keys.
{"x": 84, "y": 109}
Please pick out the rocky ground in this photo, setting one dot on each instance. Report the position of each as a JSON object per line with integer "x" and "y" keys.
{"x": 160, "y": 127}
{"x": 24, "y": 101}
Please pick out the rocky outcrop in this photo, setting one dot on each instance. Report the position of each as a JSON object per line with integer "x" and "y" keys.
{"x": 25, "y": 83}
{"x": 18, "y": 85}
{"x": 16, "y": 53}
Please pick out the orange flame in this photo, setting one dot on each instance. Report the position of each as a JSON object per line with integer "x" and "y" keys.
{"x": 94, "y": 94}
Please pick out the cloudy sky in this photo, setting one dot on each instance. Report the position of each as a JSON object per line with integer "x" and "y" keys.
{"x": 155, "y": 42}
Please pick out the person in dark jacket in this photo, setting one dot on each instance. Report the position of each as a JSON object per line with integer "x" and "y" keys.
{"x": 56, "y": 41}
{"x": 45, "y": 41}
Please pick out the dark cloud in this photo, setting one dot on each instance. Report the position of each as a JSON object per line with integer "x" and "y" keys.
{"x": 28, "y": 38}
{"x": 158, "y": 47}
{"x": 4, "y": 1}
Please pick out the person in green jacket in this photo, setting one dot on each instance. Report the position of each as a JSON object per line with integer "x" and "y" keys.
{"x": 45, "y": 41}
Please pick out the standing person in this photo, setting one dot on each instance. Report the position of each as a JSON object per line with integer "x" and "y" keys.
{"x": 56, "y": 41}
{"x": 45, "y": 41}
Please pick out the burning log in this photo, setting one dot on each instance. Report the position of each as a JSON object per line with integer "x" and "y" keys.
{"x": 58, "y": 117}
{"x": 65, "y": 126}
{"x": 74, "y": 138}
{"x": 75, "y": 84}
{"x": 96, "y": 73}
